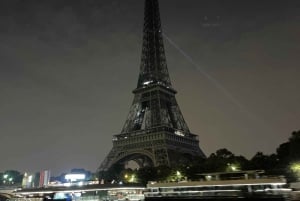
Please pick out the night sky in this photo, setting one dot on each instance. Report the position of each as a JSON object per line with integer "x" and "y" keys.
{"x": 67, "y": 69}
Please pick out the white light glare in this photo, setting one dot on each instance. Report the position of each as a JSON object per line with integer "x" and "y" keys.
{"x": 74, "y": 177}
{"x": 147, "y": 82}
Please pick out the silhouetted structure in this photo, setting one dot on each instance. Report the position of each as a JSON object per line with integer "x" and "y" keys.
{"x": 155, "y": 132}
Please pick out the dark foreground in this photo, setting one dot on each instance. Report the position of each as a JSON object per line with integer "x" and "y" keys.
{"x": 222, "y": 199}
{"x": 216, "y": 199}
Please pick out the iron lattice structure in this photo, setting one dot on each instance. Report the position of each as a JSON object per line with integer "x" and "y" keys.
{"x": 155, "y": 132}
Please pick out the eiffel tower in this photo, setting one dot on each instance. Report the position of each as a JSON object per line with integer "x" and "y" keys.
{"x": 155, "y": 132}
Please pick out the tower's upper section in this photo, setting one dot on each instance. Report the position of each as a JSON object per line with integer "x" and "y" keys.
{"x": 154, "y": 105}
{"x": 153, "y": 68}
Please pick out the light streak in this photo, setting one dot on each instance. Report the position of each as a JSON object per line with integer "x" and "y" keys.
{"x": 217, "y": 84}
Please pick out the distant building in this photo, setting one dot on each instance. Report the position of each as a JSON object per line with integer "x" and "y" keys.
{"x": 28, "y": 180}
{"x": 40, "y": 179}
{"x": 44, "y": 178}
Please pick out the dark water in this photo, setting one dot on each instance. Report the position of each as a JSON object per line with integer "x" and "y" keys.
{"x": 218, "y": 199}
{"x": 224, "y": 199}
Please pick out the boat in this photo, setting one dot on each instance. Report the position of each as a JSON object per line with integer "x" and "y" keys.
{"x": 96, "y": 192}
{"x": 239, "y": 185}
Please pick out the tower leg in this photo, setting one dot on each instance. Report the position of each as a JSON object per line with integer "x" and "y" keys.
{"x": 161, "y": 157}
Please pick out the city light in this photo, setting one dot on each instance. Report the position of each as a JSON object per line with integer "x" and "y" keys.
{"x": 30, "y": 178}
{"x": 130, "y": 178}
{"x": 74, "y": 177}
{"x": 232, "y": 167}
{"x": 295, "y": 167}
